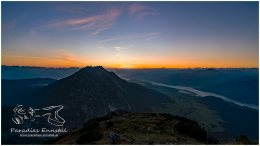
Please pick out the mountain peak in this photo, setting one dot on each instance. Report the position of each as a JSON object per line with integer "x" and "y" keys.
{"x": 94, "y": 75}
{"x": 93, "y": 68}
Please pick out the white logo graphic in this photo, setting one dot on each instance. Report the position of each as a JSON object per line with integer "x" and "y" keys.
{"x": 22, "y": 114}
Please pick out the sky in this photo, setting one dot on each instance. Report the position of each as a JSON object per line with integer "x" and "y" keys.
{"x": 130, "y": 34}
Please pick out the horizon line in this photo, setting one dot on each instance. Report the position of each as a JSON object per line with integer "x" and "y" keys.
{"x": 135, "y": 68}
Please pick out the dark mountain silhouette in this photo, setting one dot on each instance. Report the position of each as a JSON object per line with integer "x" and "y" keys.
{"x": 94, "y": 91}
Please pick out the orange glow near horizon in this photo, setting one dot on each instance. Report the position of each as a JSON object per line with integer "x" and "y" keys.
{"x": 65, "y": 59}
{"x": 58, "y": 63}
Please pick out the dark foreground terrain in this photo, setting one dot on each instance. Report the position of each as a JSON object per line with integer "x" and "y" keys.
{"x": 121, "y": 127}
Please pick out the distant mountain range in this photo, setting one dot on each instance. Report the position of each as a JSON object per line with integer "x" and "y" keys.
{"x": 187, "y": 77}
{"x": 237, "y": 84}
{"x": 25, "y": 72}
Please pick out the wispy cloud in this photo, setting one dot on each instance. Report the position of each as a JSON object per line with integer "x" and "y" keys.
{"x": 139, "y": 11}
{"x": 65, "y": 55}
{"x": 97, "y": 23}
{"x": 145, "y": 36}
{"x": 94, "y": 23}
{"x": 119, "y": 48}
{"x": 53, "y": 57}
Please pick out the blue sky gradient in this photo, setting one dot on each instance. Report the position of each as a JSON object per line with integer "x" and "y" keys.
{"x": 130, "y": 34}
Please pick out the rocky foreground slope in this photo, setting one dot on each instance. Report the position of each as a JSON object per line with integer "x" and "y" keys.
{"x": 121, "y": 127}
